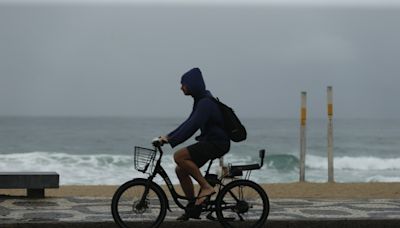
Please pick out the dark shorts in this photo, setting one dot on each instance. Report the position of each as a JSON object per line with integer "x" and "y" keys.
{"x": 202, "y": 152}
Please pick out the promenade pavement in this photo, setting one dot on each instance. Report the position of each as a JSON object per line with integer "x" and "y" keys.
{"x": 95, "y": 212}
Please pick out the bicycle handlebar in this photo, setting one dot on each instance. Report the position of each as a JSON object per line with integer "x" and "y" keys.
{"x": 158, "y": 142}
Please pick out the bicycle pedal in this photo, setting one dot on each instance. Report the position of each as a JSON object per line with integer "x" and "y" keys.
{"x": 183, "y": 218}
{"x": 210, "y": 217}
{"x": 229, "y": 219}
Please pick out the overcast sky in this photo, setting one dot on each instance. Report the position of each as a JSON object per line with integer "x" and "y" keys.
{"x": 127, "y": 59}
{"x": 226, "y": 2}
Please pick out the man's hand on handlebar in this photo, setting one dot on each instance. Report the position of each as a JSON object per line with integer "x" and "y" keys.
{"x": 159, "y": 141}
{"x": 164, "y": 139}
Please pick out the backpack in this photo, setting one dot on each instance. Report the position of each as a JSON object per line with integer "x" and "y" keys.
{"x": 232, "y": 125}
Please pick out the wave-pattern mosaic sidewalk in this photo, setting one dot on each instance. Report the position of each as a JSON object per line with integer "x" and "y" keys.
{"x": 89, "y": 209}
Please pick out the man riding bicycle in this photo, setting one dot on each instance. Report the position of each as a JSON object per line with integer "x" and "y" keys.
{"x": 213, "y": 142}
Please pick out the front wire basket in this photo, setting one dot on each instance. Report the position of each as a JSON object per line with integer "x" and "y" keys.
{"x": 144, "y": 159}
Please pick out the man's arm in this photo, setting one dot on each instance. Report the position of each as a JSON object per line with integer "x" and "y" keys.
{"x": 199, "y": 116}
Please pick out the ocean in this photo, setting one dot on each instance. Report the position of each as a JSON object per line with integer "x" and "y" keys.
{"x": 99, "y": 150}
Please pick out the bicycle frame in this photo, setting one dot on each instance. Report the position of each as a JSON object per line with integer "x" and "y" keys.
{"x": 160, "y": 171}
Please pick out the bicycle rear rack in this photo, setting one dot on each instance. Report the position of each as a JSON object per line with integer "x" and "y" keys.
{"x": 237, "y": 170}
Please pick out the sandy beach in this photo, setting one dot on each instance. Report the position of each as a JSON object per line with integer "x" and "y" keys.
{"x": 290, "y": 190}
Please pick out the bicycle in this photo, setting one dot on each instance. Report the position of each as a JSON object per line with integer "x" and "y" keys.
{"x": 241, "y": 200}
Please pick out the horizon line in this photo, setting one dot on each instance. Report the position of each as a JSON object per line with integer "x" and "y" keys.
{"x": 184, "y": 117}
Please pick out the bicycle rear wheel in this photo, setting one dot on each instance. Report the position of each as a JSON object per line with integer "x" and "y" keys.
{"x": 242, "y": 203}
{"x": 128, "y": 207}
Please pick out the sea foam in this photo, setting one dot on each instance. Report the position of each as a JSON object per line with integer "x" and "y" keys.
{"x": 73, "y": 169}
{"x": 354, "y": 163}
{"x": 116, "y": 169}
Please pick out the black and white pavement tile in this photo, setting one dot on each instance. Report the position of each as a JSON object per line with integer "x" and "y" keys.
{"x": 76, "y": 209}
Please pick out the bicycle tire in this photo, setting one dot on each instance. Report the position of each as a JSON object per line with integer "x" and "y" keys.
{"x": 136, "y": 214}
{"x": 231, "y": 206}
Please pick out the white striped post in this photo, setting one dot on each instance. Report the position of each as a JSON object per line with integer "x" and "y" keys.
{"x": 330, "y": 134}
{"x": 303, "y": 120}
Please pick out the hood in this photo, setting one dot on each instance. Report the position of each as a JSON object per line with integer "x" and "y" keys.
{"x": 193, "y": 79}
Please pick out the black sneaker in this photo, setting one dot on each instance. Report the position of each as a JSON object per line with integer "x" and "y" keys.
{"x": 193, "y": 211}
{"x": 189, "y": 212}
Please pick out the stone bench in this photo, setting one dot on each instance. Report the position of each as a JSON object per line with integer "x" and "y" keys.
{"x": 34, "y": 182}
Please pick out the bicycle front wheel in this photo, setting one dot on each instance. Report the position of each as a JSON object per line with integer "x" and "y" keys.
{"x": 132, "y": 204}
{"x": 242, "y": 203}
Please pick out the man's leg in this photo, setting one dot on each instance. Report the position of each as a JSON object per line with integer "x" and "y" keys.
{"x": 183, "y": 160}
{"x": 186, "y": 182}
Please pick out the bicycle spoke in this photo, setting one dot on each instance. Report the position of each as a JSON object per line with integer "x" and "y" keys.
{"x": 134, "y": 209}
{"x": 131, "y": 203}
{"x": 242, "y": 201}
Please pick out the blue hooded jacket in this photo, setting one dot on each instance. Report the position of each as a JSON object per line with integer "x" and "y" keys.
{"x": 205, "y": 115}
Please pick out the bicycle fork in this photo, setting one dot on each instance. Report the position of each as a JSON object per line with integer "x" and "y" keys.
{"x": 142, "y": 202}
